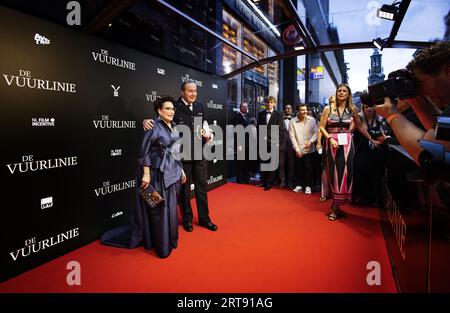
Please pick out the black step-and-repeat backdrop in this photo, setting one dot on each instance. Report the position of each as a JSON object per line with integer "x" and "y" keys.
{"x": 71, "y": 113}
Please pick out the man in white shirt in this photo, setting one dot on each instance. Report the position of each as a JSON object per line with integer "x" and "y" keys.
{"x": 303, "y": 134}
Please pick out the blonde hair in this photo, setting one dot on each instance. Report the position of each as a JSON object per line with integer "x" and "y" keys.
{"x": 271, "y": 98}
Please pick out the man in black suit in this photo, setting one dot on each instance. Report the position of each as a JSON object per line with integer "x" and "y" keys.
{"x": 287, "y": 155}
{"x": 271, "y": 117}
{"x": 196, "y": 170}
{"x": 242, "y": 167}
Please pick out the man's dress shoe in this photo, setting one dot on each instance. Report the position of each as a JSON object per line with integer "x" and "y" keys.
{"x": 188, "y": 227}
{"x": 209, "y": 226}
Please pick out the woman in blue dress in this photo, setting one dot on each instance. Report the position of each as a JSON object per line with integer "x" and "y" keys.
{"x": 160, "y": 169}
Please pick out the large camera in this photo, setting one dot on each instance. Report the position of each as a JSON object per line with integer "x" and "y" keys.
{"x": 400, "y": 84}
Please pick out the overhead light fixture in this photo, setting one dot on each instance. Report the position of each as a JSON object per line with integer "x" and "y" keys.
{"x": 380, "y": 43}
{"x": 264, "y": 18}
{"x": 300, "y": 46}
{"x": 388, "y": 12}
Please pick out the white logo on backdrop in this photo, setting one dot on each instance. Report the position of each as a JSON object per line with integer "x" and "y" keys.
{"x": 28, "y": 164}
{"x": 31, "y": 246}
{"x": 108, "y": 188}
{"x": 116, "y": 90}
{"x": 119, "y": 213}
{"x": 42, "y": 121}
{"x": 215, "y": 106}
{"x": 152, "y": 96}
{"x": 213, "y": 180}
{"x": 41, "y": 40}
{"x": 103, "y": 57}
{"x": 116, "y": 152}
{"x": 105, "y": 122}
{"x": 26, "y": 80}
{"x": 46, "y": 203}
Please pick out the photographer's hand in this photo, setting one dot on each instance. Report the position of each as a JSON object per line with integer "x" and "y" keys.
{"x": 387, "y": 108}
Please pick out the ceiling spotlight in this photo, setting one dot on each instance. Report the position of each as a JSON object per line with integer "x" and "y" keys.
{"x": 379, "y": 43}
{"x": 388, "y": 12}
{"x": 300, "y": 46}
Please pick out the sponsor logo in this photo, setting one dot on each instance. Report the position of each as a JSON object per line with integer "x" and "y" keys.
{"x": 187, "y": 79}
{"x": 108, "y": 188}
{"x": 105, "y": 122}
{"x": 104, "y": 57}
{"x": 41, "y": 40}
{"x": 28, "y": 164}
{"x": 117, "y": 214}
{"x": 42, "y": 121}
{"x": 116, "y": 90}
{"x": 213, "y": 180}
{"x": 26, "y": 80}
{"x": 161, "y": 71}
{"x": 215, "y": 106}
{"x": 116, "y": 152}
{"x": 33, "y": 246}
{"x": 46, "y": 203}
{"x": 214, "y": 86}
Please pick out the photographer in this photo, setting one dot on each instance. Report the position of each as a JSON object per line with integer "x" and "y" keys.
{"x": 431, "y": 71}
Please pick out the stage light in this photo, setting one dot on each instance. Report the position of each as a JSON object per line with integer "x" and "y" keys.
{"x": 379, "y": 43}
{"x": 387, "y": 12}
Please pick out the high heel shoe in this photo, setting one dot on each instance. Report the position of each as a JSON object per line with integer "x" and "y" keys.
{"x": 333, "y": 215}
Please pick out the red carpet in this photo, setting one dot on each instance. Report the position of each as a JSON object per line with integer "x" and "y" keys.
{"x": 273, "y": 241}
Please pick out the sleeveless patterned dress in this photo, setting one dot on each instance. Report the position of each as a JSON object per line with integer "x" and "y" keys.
{"x": 340, "y": 160}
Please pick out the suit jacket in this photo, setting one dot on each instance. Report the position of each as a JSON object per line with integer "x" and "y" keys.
{"x": 184, "y": 116}
{"x": 276, "y": 118}
{"x": 240, "y": 120}
{"x": 287, "y": 139}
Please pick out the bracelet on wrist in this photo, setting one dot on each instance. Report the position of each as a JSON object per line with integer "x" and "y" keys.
{"x": 392, "y": 117}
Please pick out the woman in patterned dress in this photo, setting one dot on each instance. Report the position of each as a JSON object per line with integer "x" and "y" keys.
{"x": 336, "y": 124}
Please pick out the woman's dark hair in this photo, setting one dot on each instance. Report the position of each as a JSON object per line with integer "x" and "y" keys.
{"x": 158, "y": 104}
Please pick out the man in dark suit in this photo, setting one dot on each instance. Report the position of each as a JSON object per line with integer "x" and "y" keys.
{"x": 271, "y": 117}
{"x": 287, "y": 155}
{"x": 242, "y": 168}
{"x": 196, "y": 170}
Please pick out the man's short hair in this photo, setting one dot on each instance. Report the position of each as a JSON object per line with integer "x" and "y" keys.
{"x": 301, "y": 105}
{"x": 431, "y": 59}
{"x": 271, "y": 98}
{"x": 183, "y": 85}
